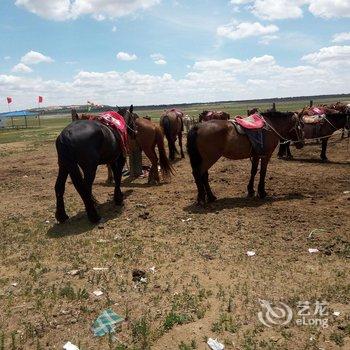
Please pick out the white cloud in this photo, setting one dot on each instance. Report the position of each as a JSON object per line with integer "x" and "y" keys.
{"x": 61, "y": 10}
{"x": 124, "y": 56}
{"x": 266, "y": 40}
{"x": 206, "y": 80}
{"x": 158, "y": 59}
{"x": 330, "y": 8}
{"x": 6, "y": 58}
{"x": 242, "y": 30}
{"x": 114, "y": 29}
{"x": 277, "y": 9}
{"x": 341, "y": 37}
{"x": 21, "y": 68}
{"x": 283, "y": 9}
{"x": 33, "y": 57}
{"x": 332, "y": 55}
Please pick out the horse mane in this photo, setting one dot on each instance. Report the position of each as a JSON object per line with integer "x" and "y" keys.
{"x": 276, "y": 114}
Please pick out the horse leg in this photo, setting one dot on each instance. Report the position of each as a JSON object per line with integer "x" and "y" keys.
{"x": 263, "y": 168}
{"x": 153, "y": 176}
{"x": 117, "y": 168}
{"x": 253, "y": 171}
{"x": 324, "y": 150}
{"x": 61, "y": 214}
{"x": 85, "y": 191}
{"x": 171, "y": 145}
{"x": 180, "y": 144}
{"x": 110, "y": 175}
{"x": 288, "y": 153}
{"x": 281, "y": 150}
{"x": 205, "y": 181}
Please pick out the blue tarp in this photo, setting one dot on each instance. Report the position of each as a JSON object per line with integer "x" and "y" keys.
{"x": 17, "y": 114}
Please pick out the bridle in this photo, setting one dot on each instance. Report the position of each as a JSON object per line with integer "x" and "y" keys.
{"x": 297, "y": 127}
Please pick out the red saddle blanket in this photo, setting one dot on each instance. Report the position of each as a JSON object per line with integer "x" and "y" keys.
{"x": 316, "y": 111}
{"x": 254, "y": 121}
{"x": 116, "y": 122}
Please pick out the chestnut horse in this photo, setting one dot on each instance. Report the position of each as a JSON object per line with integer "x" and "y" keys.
{"x": 171, "y": 122}
{"x": 210, "y": 115}
{"x": 147, "y": 137}
{"x": 332, "y": 121}
{"x": 208, "y": 142}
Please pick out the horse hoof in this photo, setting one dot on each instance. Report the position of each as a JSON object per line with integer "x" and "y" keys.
{"x": 201, "y": 202}
{"x": 251, "y": 194}
{"x": 211, "y": 199}
{"x": 61, "y": 218}
{"x": 182, "y": 156}
{"x": 262, "y": 194}
{"x": 119, "y": 200}
{"x": 324, "y": 160}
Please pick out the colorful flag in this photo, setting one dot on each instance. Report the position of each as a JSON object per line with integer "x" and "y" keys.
{"x": 40, "y": 99}
{"x": 9, "y": 100}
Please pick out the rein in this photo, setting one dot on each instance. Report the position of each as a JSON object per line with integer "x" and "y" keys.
{"x": 285, "y": 140}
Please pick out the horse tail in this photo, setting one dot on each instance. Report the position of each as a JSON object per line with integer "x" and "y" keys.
{"x": 166, "y": 125}
{"x": 164, "y": 163}
{"x": 192, "y": 150}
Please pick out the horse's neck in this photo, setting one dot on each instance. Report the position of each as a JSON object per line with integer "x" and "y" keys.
{"x": 281, "y": 124}
{"x": 337, "y": 120}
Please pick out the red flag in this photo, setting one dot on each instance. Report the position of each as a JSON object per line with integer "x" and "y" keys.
{"x": 9, "y": 100}
{"x": 40, "y": 99}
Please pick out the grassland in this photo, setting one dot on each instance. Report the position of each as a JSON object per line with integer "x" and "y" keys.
{"x": 51, "y": 125}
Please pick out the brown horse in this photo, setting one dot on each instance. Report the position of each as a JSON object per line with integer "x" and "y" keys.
{"x": 324, "y": 129}
{"x": 171, "y": 122}
{"x": 147, "y": 137}
{"x": 210, "y": 115}
{"x": 208, "y": 142}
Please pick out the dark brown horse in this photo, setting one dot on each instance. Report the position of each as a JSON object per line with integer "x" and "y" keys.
{"x": 82, "y": 146}
{"x": 210, "y": 115}
{"x": 147, "y": 137}
{"x": 324, "y": 129}
{"x": 171, "y": 122}
{"x": 208, "y": 142}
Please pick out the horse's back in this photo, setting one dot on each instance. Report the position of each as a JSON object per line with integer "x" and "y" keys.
{"x": 87, "y": 140}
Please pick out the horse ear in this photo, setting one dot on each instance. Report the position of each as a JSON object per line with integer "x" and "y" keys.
{"x": 131, "y": 109}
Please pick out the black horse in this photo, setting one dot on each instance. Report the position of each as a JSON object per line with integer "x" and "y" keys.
{"x": 324, "y": 131}
{"x": 85, "y": 144}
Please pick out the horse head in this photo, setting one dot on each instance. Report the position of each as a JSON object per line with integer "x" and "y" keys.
{"x": 130, "y": 119}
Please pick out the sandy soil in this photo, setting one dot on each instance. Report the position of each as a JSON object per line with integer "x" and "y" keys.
{"x": 204, "y": 284}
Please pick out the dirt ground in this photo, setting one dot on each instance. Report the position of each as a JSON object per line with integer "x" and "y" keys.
{"x": 203, "y": 283}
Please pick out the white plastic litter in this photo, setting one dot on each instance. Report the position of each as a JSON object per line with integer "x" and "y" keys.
{"x": 215, "y": 345}
{"x": 186, "y": 220}
{"x": 251, "y": 253}
{"x": 73, "y": 272}
{"x": 336, "y": 313}
{"x": 14, "y": 284}
{"x": 153, "y": 269}
{"x": 143, "y": 280}
{"x": 313, "y": 250}
{"x": 70, "y": 346}
{"x": 346, "y": 192}
{"x": 98, "y": 293}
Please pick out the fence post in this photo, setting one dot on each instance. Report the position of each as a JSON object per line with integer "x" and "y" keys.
{"x": 311, "y": 103}
{"x": 274, "y": 106}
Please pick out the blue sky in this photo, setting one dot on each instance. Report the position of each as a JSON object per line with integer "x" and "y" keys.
{"x": 158, "y": 51}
